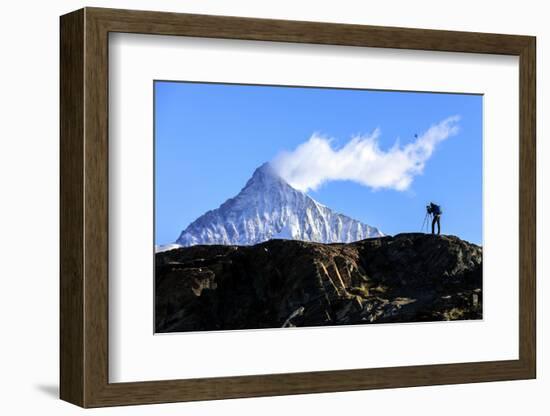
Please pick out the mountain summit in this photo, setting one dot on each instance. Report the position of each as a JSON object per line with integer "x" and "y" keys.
{"x": 269, "y": 208}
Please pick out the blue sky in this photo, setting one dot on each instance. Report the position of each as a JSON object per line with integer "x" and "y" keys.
{"x": 209, "y": 138}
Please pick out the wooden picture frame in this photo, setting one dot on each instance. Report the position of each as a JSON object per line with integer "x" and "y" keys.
{"x": 84, "y": 207}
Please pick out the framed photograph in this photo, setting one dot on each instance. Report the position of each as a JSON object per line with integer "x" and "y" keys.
{"x": 255, "y": 207}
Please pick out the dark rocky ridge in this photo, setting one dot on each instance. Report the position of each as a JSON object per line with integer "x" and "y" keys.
{"x": 283, "y": 283}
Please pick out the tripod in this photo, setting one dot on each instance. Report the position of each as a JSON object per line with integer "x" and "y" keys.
{"x": 426, "y": 222}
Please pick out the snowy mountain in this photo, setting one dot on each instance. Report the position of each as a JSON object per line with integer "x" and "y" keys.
{"x": 269, "y": 208}
{"x": 166, "y": 247}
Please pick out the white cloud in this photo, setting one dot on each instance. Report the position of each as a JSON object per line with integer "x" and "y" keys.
{"x": 361, "y": 160}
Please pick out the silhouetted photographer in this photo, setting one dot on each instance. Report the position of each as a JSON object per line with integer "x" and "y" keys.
{"x": 435, "y": 211}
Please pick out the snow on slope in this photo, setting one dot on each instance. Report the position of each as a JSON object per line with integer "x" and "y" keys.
{"x": 166, "y": 247}
{"x": 268, "y": 207}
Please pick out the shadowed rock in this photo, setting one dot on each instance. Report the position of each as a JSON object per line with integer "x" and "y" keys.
{"x": 285, "y": 283}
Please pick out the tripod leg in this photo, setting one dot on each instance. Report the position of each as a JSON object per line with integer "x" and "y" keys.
{"x": 424, "y": 223}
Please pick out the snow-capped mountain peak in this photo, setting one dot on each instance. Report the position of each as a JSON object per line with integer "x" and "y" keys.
{"x": 268, "y": 207}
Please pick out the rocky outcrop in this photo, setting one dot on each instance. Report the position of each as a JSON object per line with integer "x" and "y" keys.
{"x": 285, "y": 283}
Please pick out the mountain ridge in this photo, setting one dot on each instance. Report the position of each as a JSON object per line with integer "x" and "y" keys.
{"x": 267, "y": 208}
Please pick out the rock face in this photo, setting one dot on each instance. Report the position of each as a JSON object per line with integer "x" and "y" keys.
{"x": 268, "y": 207}
{"x": 285, "y": 283}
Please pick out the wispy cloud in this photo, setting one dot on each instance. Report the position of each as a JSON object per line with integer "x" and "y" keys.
{"x": 361, "y": 160}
